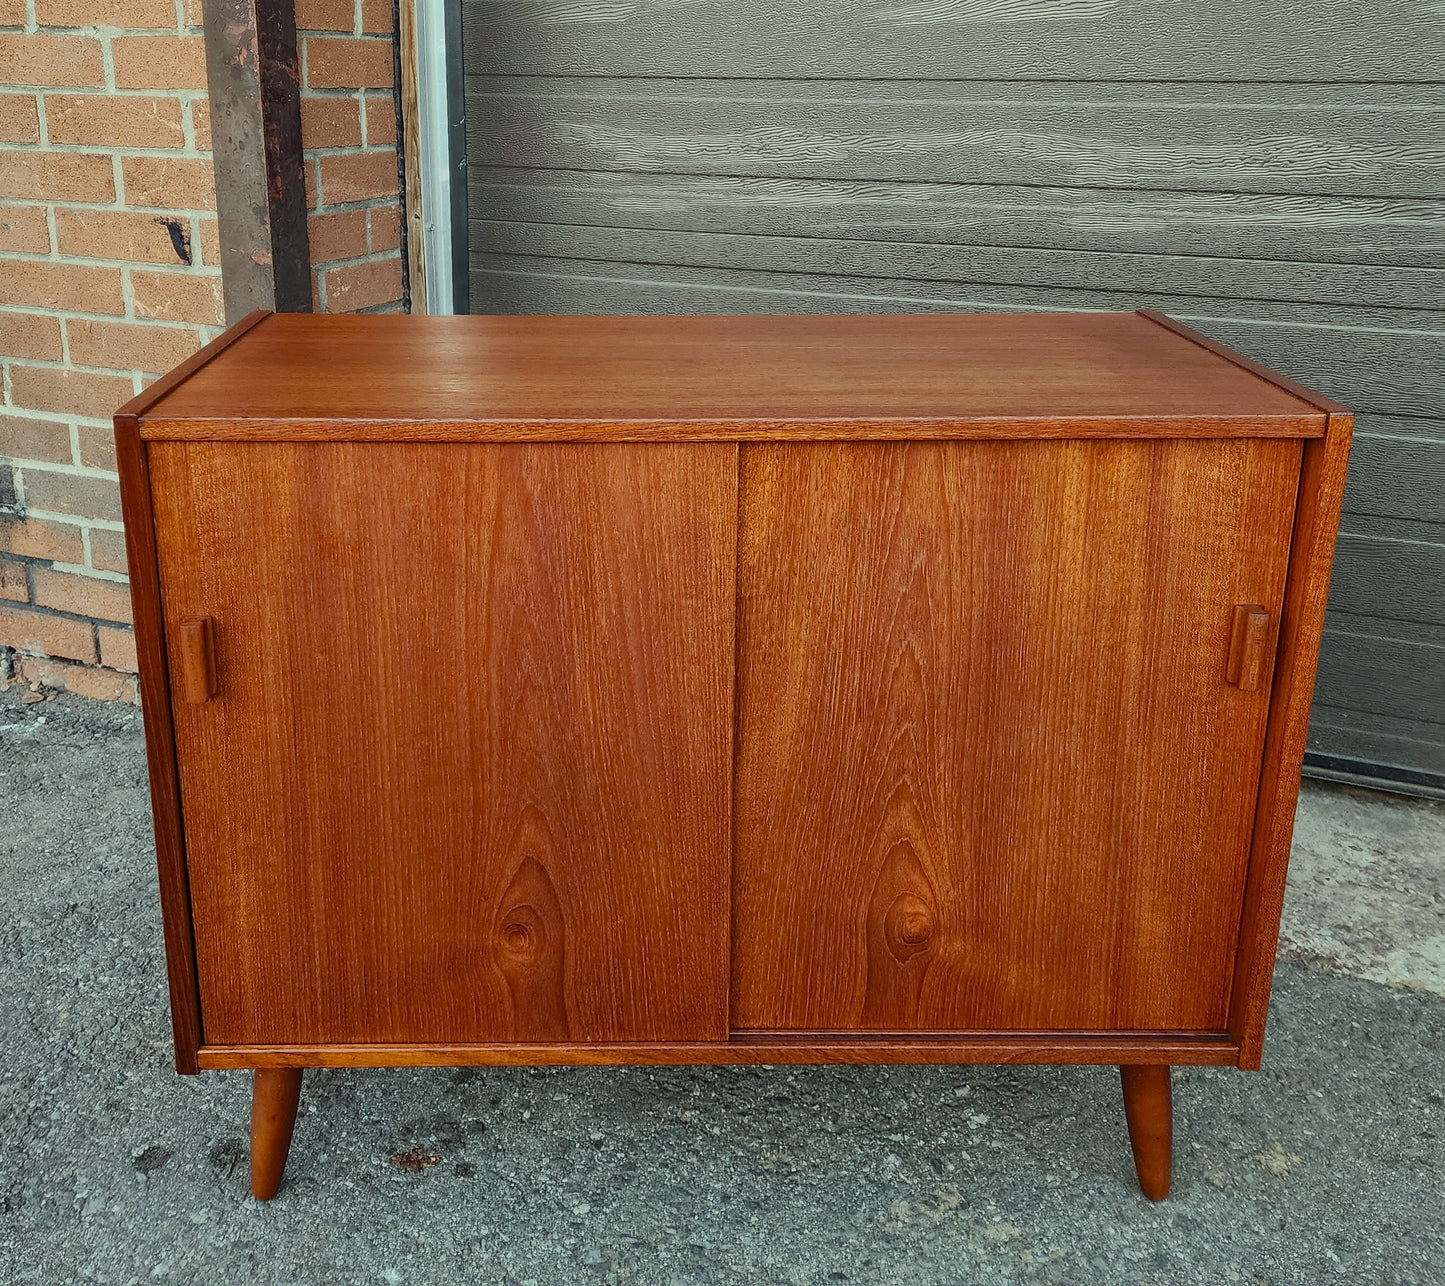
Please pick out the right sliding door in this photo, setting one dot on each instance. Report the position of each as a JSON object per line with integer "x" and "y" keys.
{"x": 992, "y": 771}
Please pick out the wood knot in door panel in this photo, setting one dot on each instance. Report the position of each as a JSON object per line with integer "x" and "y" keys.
{"x": 902, "y": 928}
{"x": 530, "y": 950}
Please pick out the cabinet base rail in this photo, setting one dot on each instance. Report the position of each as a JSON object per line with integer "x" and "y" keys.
{"x": 1148, "y": 1111}
{"x": 1195, "y": 1049}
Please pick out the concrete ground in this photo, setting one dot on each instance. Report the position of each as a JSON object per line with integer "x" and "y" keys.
{"x": 1327, "y": 1166}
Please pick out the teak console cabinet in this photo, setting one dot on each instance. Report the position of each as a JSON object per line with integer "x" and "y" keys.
{"x": 725, "y": 690}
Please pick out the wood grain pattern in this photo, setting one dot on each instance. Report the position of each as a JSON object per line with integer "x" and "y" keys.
{"x": 721, "y": 378}
{"x": 1382, "y": 360}
{"x": 145, "y": 594}
{"x": 275, "y": 1094}
{"x": 1009, "y": 660}
{"x": 1248, "y": 644}
{"x": 1213, "y": 1049}
{"x": 1005, "y": 222}
{"x": 481, "y": 692}
{"x": 1149, "y": 1111}
{"x": 1321, "y": 490}
{"x": 1006, "y": 40}
{"x": 1310, "y": 139}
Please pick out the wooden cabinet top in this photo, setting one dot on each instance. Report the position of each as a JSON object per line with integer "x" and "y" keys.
{"x": 298, "y": 376}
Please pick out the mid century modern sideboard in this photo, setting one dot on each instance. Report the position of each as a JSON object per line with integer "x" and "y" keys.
{"x": 799, "y": 689}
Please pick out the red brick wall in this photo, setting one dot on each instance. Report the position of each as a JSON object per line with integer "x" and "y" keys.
{"x": 348, "y": 127}
{"x": 109, "y": 275}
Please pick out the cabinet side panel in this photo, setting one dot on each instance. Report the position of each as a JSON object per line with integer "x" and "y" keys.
{"x": 991, "y": 774}
{"x": 467, "y": 775}
{"x": 145, "y": 592}
{"x": 1321, "y": 494}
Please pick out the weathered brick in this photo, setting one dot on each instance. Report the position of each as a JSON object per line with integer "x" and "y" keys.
{"x": 339, "y": 62}
{"x": 23, "y": 438}
{"x": 385, "y": 228}
{"x": 19, "y": 119}
{"x": 201, "y": 123}
{"x": 192, "y": 13}
{"x": 309, "y": 167}
{"x": 14, "y": 584}
{"x": 210, "y": 238}
{"x": 169, "y": 183}
{"x": 30, "y": 335}
{"x": 362, "y": 176}
{"x": 38, "y": 538}
{"x": 91, "y": 681}
{"x": 114, "y": 120}
{"x": 12, "y": 13}
{"x": 117, "y": 648}
{"x": 105, "y": 13}
{"x": 330, "y": 122}
{"x": 107, "y": 550}
{"x": 53, "y": 388}
{"x": 376, "y": 16}
{"x": 177, "y": 296}
{"x": 27, "y": 59}
{"x": 337, "y": 236}
{"x": 41, "y": 632}
{"x": 97, "y": 451}
{"x": 77, "y": 494}
{"x": 119, "y": 234}
{"x": 380, "y": 120}
{"x": 23, "y": 230}
{"x": 56, "y": 176}
{"x": 130, "y": 346}
{"x": 159, "y": 62}
{"x": 71, "y": 287}
{"x": 363, "y": 285}
{"x": 81, "y": 595}
{"x": 325, "y": 15}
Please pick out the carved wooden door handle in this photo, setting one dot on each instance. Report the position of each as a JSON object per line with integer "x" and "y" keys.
{"x": 197, "y": 636}
{"x": 1248, "y": 646}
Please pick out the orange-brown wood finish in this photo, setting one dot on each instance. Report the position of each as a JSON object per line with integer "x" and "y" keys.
{"x": 725, "y": 690}
{"x": 1025, "y": 375}
{"x": 990, "y": 774}
{"x": 1149, "y": 1112}
{"x": 473, "y": 735}
{"x": 275, "y": 1094}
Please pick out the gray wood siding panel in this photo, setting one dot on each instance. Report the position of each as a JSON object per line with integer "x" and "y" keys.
{"x": 1397, "y": 470}
{"x": 1180, "y": 275}
{"x": 1338, "y": 140}
{"x": 1389, "y": 579}
{"x": 975, "y": 39}
{"x": 1332, "y": 230}
{"x": 1378, "y": 739}
{"x": 1375, "y": 673}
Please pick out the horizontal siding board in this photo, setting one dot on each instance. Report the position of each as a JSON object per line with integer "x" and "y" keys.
{"x": 988, "y": 39}
{"x": 1215, "y": 276}
{"x": 1375, "y": 360}
{"x": 1376, "y": 673}
{"x": 1348, "y": 230}
{"x": 1377, "y": 739}
{"x": 1371, "y": 141}
{"x": 1397, "y": 470}
{"x": 1391, "y": 580}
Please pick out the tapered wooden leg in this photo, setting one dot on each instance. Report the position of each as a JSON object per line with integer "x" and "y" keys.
{"x": 1148, "y": 1108}
{"x": 275, "y": 1093}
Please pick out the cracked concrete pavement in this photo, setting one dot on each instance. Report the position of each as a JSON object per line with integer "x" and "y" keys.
{"x": 1326, "y": 1166}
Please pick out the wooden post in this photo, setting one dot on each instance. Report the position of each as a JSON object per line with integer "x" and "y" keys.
{"x": 253, "y": 76}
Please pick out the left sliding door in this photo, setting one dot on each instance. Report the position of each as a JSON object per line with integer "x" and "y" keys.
{"x": 467, "y": 772}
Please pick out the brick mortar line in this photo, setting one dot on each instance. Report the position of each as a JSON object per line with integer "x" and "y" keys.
{"x": 87, "y": 570}
{"x": 71, "y": 470}
{"x": 39, "y": 609}
{"x": 370, "y": 256}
